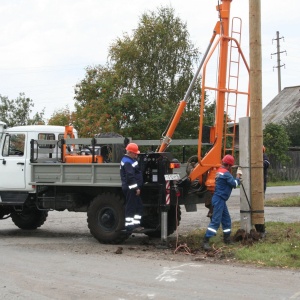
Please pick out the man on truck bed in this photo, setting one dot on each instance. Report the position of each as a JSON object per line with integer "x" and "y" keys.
{"x": 132, "y": 181}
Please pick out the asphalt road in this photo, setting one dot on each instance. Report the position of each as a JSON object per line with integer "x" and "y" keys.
{"x": 61, "y": 260}
{"x": 273, "y": 190}
{"x": 43, "y": 275}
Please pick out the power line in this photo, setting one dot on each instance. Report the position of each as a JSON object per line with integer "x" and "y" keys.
{"x": 278, "y": 59}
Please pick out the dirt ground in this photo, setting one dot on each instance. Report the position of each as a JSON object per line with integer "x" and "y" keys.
{"x": 67, "y": 232}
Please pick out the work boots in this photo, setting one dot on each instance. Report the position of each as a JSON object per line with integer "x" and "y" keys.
{"x": 227, "y": 239}
{"x": 205, "y": 244}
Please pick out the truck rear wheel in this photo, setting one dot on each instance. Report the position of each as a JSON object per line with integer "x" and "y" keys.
{"x": 174, "y": 217}
{"x": 29, "y": 218}
{"x": 106, "y": 218}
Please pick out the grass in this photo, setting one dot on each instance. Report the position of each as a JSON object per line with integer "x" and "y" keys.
{"x": 280, "y": 248}
{"x": 292, "y": 201}
{"x": 283, "y": 183}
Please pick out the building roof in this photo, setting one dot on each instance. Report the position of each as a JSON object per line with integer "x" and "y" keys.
{"x": 285, "y": 103}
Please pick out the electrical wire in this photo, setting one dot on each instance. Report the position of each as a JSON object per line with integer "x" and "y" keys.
{"x": 184, "y": 246}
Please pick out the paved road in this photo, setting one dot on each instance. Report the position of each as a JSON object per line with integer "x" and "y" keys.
{"x": 276, "y": 190}
{"x": 42, "y": 275}
{"x": 62, "y": 261}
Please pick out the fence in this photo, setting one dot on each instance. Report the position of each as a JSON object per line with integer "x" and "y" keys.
{"x": 285, "y": 172}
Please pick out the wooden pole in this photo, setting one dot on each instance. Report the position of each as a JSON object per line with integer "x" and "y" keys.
{"x": 256, "y": 134}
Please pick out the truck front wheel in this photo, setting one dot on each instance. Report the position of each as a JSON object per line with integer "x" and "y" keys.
{"x": 29, "y": 218}
{"x": 106, "y": 217}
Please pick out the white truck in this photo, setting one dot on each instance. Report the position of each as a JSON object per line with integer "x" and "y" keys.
{"x": 46, "y": 168}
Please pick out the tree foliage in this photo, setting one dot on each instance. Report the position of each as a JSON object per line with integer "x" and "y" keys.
{"x": 147, "y": 74}
{"x": 277, "y": 141}
{"x": 292, "y": 127}
{"x": 62, "y": 117}
{"x": 99, "y": 103}
{"x": 17, "y": 111}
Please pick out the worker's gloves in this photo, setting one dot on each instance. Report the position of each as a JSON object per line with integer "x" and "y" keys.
{"x": 239, "y": 171}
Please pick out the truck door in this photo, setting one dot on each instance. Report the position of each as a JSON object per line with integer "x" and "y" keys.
{"x": 12, "y": 161}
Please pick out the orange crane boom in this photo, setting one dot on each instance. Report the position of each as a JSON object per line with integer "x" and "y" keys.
{"x": 208, "y": 163}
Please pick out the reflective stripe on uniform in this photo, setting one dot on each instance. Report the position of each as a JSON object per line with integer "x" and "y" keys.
{"x": 134, "y": 164}
{"x": 132, "y": 186}
{"x": 136, "y": 222}
{"x": 236, "y": 183}
{"x": 129, "y": 221}
{"x": 137, "y": 219}
{"x": 211, "y": 229}
{"x": 227, "y": 230}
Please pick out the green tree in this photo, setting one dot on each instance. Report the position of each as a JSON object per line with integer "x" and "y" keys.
{"x": 147, "y": 74}
{"x": 277, "y": 141}
{"x": 98, "y": 103}
{"x": 62, "y": 117}
{"x": 17, "y": 111}
{"x": 292, "y": 127}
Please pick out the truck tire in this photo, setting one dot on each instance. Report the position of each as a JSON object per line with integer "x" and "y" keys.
{"x": 173, "y": 215}
{"x": 29, "y": 218}
{"x": 106, "y": 219}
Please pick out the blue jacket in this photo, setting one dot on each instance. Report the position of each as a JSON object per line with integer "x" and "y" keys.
{"x": 225, "y": 182}
{"x": 266, "y": 165}
{"x": 131, "y": 175}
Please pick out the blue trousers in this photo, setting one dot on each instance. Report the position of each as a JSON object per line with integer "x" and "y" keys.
{"x": 133, "y": 208}
{"x": 220, "y": 215}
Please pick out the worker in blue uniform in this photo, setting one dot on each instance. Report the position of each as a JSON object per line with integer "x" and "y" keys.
{"x": 132, "y": 181}
{"x": 225, "y": 182}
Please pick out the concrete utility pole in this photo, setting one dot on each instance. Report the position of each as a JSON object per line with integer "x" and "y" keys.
{"x": 245, "y": 197}
{"x": 256, "y": 133}
{"x": 278, "y": 60}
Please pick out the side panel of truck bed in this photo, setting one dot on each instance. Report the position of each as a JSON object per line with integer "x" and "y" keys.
{"x": 107, "y": 175}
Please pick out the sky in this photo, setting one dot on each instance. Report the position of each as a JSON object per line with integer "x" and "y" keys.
{"x": 46, "y": 45}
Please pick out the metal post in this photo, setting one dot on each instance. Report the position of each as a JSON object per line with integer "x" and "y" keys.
{"x": 164, "y": 226}
{"x": 164, "y": 215}
{"x": 164, "y": 231}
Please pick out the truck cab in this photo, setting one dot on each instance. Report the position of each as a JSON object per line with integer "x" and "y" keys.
{"x": 15, "y": 157}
